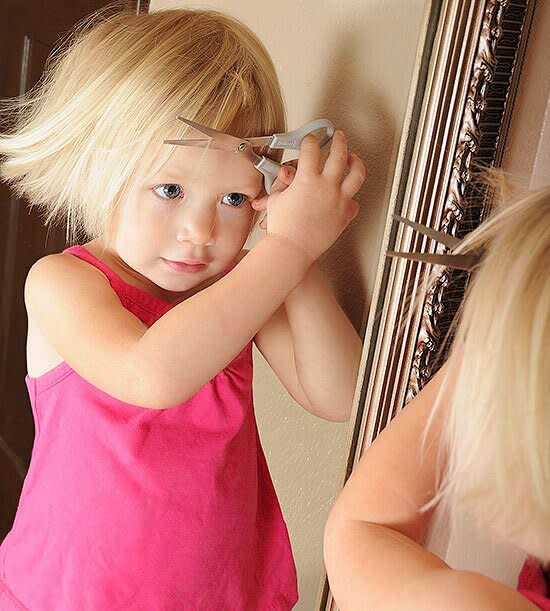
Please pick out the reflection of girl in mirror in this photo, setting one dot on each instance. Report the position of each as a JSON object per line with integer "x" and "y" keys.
{"x": 476, "y": 437}
{"x": 148, "y": 487}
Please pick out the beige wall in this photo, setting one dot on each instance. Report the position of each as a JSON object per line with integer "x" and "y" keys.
{"x": 527, "y": 150}
{"x": 350, "y": 61}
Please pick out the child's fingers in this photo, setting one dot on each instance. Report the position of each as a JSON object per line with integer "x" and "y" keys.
{"x": 260, "y": 203}
{"x": 289, "y": 172}
{"x": 356, "y": 176}
{"x": 310, "y": 155}
{"x": 284, "y": 178}
{"x": 337, "y": 161}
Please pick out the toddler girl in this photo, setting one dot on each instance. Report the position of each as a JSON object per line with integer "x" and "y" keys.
{"x": 148, "y": 488}
{"x": 477, "y": 437}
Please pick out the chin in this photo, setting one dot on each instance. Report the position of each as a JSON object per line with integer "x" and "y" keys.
{"x": 181, "y": 285}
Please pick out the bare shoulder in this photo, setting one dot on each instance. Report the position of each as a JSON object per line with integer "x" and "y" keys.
{"x": 78, "y": 317}
{"x": 59, "y": 285}
{"x": 60, "y": 271}
{"x": 47, "y": 282}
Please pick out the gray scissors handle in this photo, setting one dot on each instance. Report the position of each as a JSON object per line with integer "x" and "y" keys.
{"x": 292, "y": 140}
{"x": 269, "y": 169}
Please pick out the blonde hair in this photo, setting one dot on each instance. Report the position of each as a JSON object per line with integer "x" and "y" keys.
{"x": 111, "y": 93}
{"x": 496, "y": 435}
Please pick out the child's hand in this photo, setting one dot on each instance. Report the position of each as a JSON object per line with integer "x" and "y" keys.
{"x": 317, "y": 206}
{"x": 281, "y": 182}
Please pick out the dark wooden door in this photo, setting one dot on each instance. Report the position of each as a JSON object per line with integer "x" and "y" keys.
{"x": 29, "y": 30}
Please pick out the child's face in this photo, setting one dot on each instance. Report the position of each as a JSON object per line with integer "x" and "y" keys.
{"x": 197, "y": 207}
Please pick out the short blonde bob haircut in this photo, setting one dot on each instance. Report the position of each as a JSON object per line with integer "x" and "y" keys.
{"x": 496, "y": 436}
{"x": 110, "y": 94}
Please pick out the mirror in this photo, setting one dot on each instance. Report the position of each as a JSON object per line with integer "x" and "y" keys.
{"x": 468, "y": 79}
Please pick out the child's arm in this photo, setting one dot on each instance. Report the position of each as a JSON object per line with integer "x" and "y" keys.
{"x": 164, "y": 365}
{"x": 311, "y": 344}
{"x": 372, "y": 556}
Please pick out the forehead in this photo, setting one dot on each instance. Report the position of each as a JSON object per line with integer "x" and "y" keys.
{"x": 202, "y": 162}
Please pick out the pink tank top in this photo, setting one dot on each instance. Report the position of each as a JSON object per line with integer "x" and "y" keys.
{"x": 125, "y": 507}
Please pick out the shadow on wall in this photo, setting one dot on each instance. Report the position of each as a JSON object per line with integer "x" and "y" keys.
{"x": 373, "y": 135}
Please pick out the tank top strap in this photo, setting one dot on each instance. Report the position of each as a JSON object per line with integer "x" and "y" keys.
{"x": 145, "y": 306}
{"x": 83, "y": 253}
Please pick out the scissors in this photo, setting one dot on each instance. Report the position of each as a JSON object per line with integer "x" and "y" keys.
{"x": 465, "y": 262}
{"x": 269, "y": 168}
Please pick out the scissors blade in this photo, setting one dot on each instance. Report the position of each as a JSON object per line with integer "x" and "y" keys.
{"x": 464, "y": 262}
{"x": 217, "y": 140}
{"x": 221, "y": 140}
{"x": 258, "y": 141}
{"x": 254, "y": 142}
{"x": 443, "y": 238}
{"x": 192, "y": 142}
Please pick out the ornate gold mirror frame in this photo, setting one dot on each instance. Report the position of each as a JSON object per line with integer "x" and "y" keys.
{"x": 459, "y": 109}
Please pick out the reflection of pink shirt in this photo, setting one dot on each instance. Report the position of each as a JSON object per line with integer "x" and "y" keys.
{"x": 125, "y": 507}
{"x": 532, "y": 583}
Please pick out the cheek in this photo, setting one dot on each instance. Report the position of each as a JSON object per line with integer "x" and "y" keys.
{"x": 139, "y": 228}
{"x": 145, "y": 216}
{"x": 235, "y": 223}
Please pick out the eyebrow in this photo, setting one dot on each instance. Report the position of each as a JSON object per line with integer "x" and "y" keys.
{"x": 252, "y": 188}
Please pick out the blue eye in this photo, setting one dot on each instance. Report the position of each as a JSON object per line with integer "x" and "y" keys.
{"x": 172, "y": 191}
{"x": 235, "y": 199}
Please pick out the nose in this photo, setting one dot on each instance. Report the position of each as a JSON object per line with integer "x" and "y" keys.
{"x": 196, "y": 222}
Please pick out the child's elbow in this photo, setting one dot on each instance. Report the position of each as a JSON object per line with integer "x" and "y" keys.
{"x": 331, "y": 412}
{"x": 336, "y": 416}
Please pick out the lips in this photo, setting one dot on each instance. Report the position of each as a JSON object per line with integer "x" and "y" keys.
{"x": 184, "y": 266}
{"x": 187, "y": 261}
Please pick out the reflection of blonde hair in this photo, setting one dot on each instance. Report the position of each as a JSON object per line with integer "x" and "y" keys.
{"x": 109, "y": 98}
{"x": 497, "y": 433}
